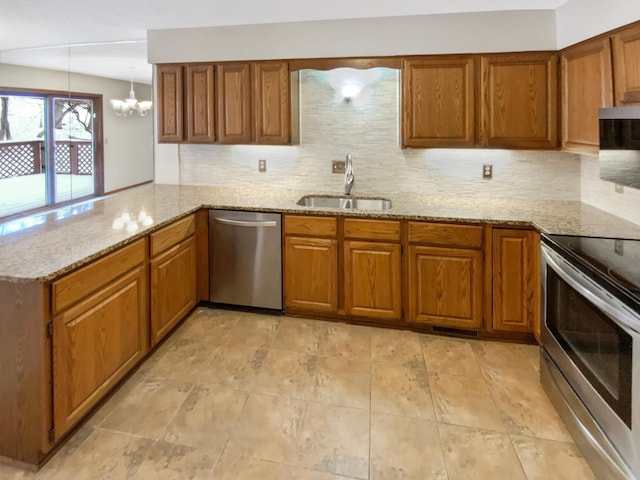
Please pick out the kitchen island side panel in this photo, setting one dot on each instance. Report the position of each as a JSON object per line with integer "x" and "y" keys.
{"x": 25, "y": 372}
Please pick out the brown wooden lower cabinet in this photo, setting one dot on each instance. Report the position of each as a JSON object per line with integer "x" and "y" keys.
{"x": 372, "y": 279}
{"x": 311, "y": 274}
{"x": 96, "y": 343}
{"x": 516, "y": 280}
{"x": 173, "y": 287}
{"x": 445, "y": 286}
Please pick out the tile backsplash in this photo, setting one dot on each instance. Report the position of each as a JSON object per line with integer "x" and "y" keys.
{"x": 368, "y": 127}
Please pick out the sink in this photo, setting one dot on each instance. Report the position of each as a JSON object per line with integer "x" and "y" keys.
{"x": 358, "y": 203}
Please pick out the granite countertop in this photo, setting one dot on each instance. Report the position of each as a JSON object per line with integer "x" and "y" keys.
{"x": 42, "y": 247}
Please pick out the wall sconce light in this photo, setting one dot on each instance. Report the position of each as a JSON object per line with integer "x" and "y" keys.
{"x": 349, "y": 83}
{"x": 350, "y": 90}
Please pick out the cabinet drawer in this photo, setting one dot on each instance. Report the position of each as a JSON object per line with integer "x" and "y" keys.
{"x": 79, "y": 284}
{"x": 372, "y": 229}
{"x": 172, "y": 235}
{"x": 446, "y": 235}
{"x": 315, "y": 226}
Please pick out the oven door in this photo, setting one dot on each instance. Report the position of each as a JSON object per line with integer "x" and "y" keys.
{"x": 594, "y": 341}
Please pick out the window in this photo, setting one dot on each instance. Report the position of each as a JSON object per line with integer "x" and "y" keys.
{"x": 48, "y": 153}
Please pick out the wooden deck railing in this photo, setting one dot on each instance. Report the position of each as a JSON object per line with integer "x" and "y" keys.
{"x": 28, "y": 158}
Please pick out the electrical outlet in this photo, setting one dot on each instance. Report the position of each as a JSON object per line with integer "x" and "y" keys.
{"x": 487, "y": 171}
{"x": 619, "y": 188}
{"x": 262, "y": 165}
{"x": 618, "y": 246}
{"x": 337, "y": 166}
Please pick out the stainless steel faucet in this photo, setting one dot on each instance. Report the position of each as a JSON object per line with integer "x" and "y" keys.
{"x": 349, "y": 178}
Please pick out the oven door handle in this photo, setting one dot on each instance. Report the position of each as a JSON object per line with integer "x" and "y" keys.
{"x": 595, "y": 294}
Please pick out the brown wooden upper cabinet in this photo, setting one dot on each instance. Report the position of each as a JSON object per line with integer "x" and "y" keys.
{"x": 192, "y": 85}
{"x": 438, "y": 102}
{"x": 200, "y": 100}
{"x": 586, "y": 80}
{"x": 170, "y": 106}
{"x": 626, "y": 65}
{"x": 253, "y": 103}
{"x": 518, "y": 108}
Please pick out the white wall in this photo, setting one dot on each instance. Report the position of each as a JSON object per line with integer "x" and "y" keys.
{"x": 425, "y": 34}
{"x": 578, "y": 20}
{"x": 128, "y": 142}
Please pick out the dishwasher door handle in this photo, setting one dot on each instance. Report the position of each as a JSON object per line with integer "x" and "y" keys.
{"x": 242, "y": 223}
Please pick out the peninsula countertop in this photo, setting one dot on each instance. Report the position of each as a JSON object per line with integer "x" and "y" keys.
{"x": 41, "y": 247}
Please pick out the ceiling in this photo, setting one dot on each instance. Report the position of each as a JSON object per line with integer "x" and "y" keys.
{"x": 54, "y": 23}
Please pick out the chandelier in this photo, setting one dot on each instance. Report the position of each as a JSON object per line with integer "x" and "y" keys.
{"x": 125, "y": 108}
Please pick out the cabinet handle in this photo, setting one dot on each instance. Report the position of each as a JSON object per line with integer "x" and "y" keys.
{"x": 240, "y": 223}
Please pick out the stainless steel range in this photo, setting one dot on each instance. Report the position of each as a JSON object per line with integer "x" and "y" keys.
{"x": 590, "y": 360}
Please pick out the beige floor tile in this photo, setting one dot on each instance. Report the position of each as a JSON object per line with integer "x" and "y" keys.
{"x": 287, "y": 373}
{"x": 167, "y": 461}
{"x": 479, "y": 454}
{"x": 450, "y": 356}
{"x": 299, "y": 335}
{"x": 505, "y": 361}
{"x": 526, "y": 410}
{"x": 335, "y": 439}
{"x": 233, "y": 368}
{"x": 396, "y": 346}
{"x": 104, "y": 455}
{"x": 464, "y": 401}
{"x": 401, "y": 390}
{"x": 206, "y": 417}
{"x": 344, "y": 340}
{"x": 545, "y": 459}
{"x": 100, "y": 415}
{"x": 405, "y": 448}
{"x": 147, "y": 409}
{"x": 532, "y": 352}
{"x": 206, "y": 327}
{"x": 342, "y": 381}
{"x": 9, "y": 472}
{"x": 253, "y": 331}
{"x": 232, "y": 467}
{"x": 304, "y": 474}
{"x": 181, "y": 360}
{"x": 268, "y": 428}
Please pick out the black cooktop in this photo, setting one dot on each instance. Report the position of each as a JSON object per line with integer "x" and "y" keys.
{"x": 613, "y": 259}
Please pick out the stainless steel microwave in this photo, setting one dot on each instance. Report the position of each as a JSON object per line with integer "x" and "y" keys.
{"x": 620, "y": 145}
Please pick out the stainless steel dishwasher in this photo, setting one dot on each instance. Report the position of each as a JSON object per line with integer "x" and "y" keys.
{"x": 245, "y": 255}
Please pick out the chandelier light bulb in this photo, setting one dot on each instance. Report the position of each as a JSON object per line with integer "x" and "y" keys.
{"x": 125, "y": 108}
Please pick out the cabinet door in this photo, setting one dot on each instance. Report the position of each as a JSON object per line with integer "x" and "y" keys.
{"x": 272, "y": 104}
{"x": 234, "y": 103}
{"x": 173, "y": 287}
{"x": 200, "y": 104}
{"x": 311, "y": 274}
{"x": 586, "y": 80}
{"x": 445, "y": 286}
{"x": 372, "y": 279}
{"x": 626, "y": 66}
{"x": 438, "y": 102}
{"x": 170, "y": 108}
{"x": 516, "y": 280}
{"x": 95, "y": 344}
{"x": 519, "y": 104}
